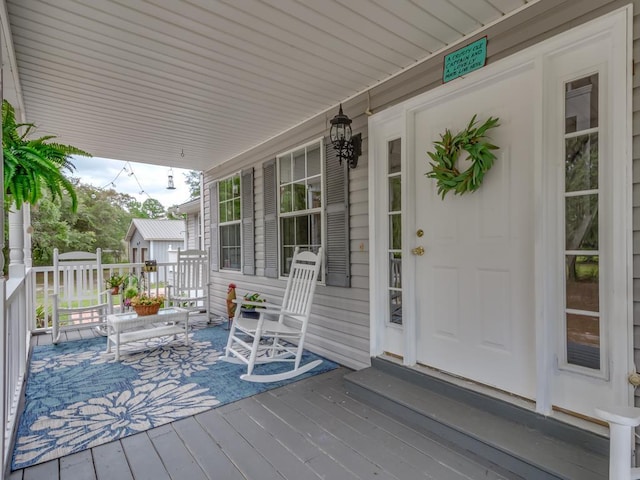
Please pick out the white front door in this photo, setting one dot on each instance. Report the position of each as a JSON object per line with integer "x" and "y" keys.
{"x": 525, "y": 284}
{"x": 475, "y": 282}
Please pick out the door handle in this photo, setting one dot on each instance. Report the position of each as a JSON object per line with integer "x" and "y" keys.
{"x": 634, "y": 379}
{"x": 418, "y": 251}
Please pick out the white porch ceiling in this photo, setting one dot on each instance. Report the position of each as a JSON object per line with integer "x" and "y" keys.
{"x": 144, "y": 80}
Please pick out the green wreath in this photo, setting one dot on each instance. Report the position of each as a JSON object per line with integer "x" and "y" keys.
{"x": 448, "y": 150}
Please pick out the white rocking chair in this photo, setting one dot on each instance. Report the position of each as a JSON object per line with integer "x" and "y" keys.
{"x": 80, "y": 299}
{"x": 189, "y": 288}
{"x": 256, "y": 341}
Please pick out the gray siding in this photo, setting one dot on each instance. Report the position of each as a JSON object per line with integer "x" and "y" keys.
{"x": 192, "y": 226}
{"x": 340, "y": 322}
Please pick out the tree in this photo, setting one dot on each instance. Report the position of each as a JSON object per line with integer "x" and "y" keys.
{"x": 31, "y": 165}
{"x": 152, "y": 208}
{"x": 193, "y": 181}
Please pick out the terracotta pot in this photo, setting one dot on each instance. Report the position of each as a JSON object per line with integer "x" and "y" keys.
{"x": 115, "y": 290}
{"x": 143, "y": 310}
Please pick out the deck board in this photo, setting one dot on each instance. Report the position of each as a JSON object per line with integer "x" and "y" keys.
{"x": 111, "y": 463}
{"x": 206, "y": 451}
{"x": 309, "y": 429}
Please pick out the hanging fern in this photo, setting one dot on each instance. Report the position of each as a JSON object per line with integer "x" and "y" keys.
{"x": 31, "y": 165}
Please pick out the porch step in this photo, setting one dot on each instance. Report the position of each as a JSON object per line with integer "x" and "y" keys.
{"x": 522, "y": 442}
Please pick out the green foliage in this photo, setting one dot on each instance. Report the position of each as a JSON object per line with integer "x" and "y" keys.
{"x": 100, "y": 221}
{"x": 115, "y": 280}
{"x": 448, "y": 150}
{"x": 193, "y": 181}
{"x": 33, "y": 166}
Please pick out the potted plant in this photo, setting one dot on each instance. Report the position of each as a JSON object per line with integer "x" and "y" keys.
{"x": 249, "y": 310}
{"x": 145, "y": 304}
{"x": 114, "y": 282}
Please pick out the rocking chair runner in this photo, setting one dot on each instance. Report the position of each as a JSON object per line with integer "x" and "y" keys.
{"x": 189, "y": 288}
{"x": 79, "y": 300}
{"x": 256, "y": 341}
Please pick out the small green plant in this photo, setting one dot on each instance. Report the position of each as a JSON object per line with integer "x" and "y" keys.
{"x": 252, "y": 297}
{"x": 115, "y": 280}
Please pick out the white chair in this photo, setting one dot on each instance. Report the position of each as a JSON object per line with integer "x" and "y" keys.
{"x": 256, "y": 341}
{"x": 189, "y": 288}
{"x": 80, "y": 299}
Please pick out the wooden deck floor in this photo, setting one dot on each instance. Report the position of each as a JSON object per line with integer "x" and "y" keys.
{"x": 311, "y": 429}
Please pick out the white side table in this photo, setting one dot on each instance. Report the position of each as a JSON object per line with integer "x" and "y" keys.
{"x": 129, "y": 327}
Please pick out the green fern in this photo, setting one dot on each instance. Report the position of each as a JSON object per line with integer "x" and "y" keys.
{"x": 31, "y": 165}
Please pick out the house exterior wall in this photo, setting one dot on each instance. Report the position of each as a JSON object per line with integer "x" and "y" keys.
{"x": 339, "y": 328}
{"x": 192, "y": 226}
{"x": 137, "y": 243}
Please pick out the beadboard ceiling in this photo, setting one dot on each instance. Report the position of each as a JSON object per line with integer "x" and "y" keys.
{"x": 151, "y": 80}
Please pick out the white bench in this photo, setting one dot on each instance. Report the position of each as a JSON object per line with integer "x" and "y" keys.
{"x": 129, "y": 327}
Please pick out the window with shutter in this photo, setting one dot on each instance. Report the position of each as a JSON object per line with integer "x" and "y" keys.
{"x": 306, "y": 204}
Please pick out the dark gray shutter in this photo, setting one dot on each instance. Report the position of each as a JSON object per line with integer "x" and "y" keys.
{"x": 248, "y": 243}
{"x": 337, "y": 211}
{"x": 213, "y": 215}
{"x": 270, "y": 219}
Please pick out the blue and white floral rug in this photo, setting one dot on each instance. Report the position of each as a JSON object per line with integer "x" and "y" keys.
{"x": 78, "y": 396}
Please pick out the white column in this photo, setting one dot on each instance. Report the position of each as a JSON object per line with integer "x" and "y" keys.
{"x": 622, "y": 421}
{"x": 16, "y": 243}
{"x": 28, "y": 230}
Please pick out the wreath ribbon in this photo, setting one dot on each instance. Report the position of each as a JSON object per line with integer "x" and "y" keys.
{"x": 448, "y": 150}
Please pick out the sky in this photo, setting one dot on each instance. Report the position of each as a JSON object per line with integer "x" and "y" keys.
{"x": 151, "y": 180}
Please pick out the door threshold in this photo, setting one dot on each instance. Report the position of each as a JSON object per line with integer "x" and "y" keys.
{"x": 582, "y": 422}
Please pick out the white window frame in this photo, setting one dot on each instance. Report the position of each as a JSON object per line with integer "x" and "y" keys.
{"x": 234, "y": 222}
{"x": 322, "y": 209}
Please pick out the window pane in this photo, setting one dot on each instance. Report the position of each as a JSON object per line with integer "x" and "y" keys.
{"x": 288, "y": 231}
{"x": 395, "y": 191}
{"x": 230, "y": 250}
{"x": 222, "y": 207}
{"x": 223, "y": 188}
{"x": 581, "y": 104}
{"x": 583, "y": 341}
{"x": 581, "y": 163}
{"x": 299, "y": 167}
{"x": 286, "y": 204}
{"x": 314, "y": 191}
{"x": 229, "y": 206}
{"x": 393, "y": 153}
{"x": 285, "y": 169}
{"x": 395, "y": 232}
{"x": 236, "y": 208}
{"x": 302, "y": 231}
{"x": 299, "y": 196}
{"x": 315, "y": 231}
{"x": 581, "y": 218}
{"x": 395, "y": 272}
{"x": 287, "y": 256}
{"x": 583, "y": 283}
{"x": 395, "y": 307}
{"x": 313, "y": 161}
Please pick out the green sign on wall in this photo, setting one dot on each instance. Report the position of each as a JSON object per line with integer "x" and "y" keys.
{"x": 467, "y": 59}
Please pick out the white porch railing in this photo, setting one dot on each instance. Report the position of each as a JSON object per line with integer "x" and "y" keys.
{"x": 17, "y": 297}
{"x": 21, "y": 297}
{"x": 42, "y": 286}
